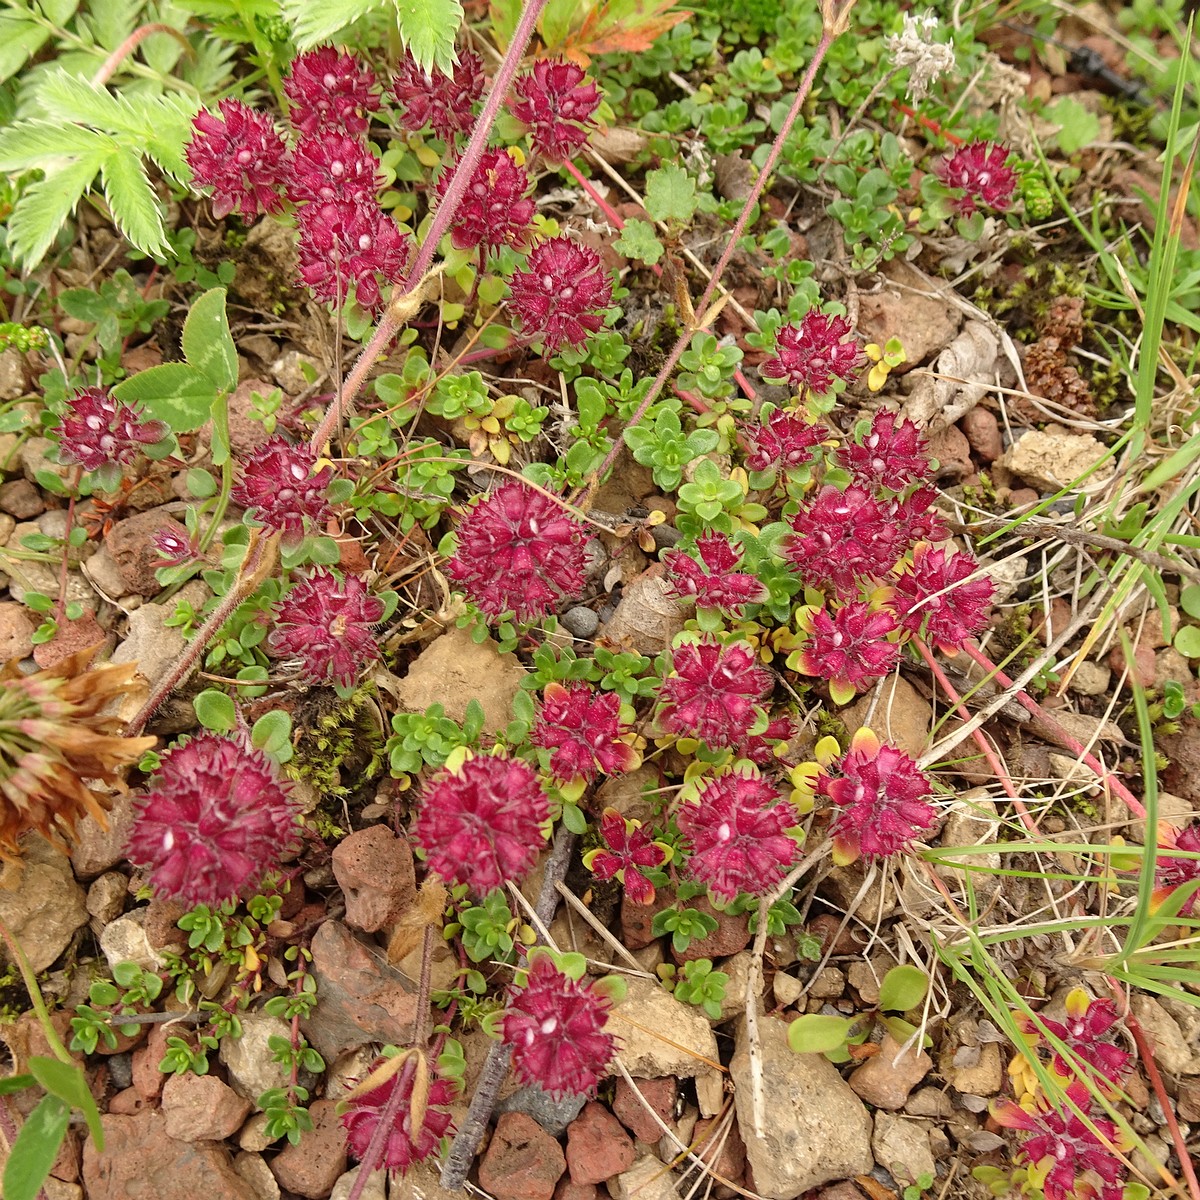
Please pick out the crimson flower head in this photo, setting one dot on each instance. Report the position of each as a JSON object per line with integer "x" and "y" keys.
{"x": 979, "y": 171}
{"x": 98, "y": 431}
{"x": 278, "y": 484}
{"x": 495, "y": 210}
{"x": 812, "y": 354}
{"x": 562, "y": 294}
{"x": 215, "y": 821}
{"x": 330, "y": 92}
{"x": 403, "y": 1145}
{"x": 626, "y": 851}
{"x": 765, "y": 748}
{"x": 843, "y": 540}
{"x": 848, "y": 646}
{"x": 914, "y": 517}
{"x": 1088, "y": 1022}
{"x": 241, "y": 156}
{"x": 892, "y": 455}
{"x": 482, "y": 824}
{"x": 557, "y": 101}
{"x": 555, "y": 1026}
{"x": 434, "y": 98}
{"x": 348, "y": 247}
{"x": 518, "y": 552}
{"x": 712, "y": 692}
{"x": 326, "y": 623}
{"x": 1171, "y": 872}
{"x": 786, "y": 441}
{"x": 582, "y": 730}
{"x": 932, "y": 597}
{"x": 333, "y": 166}
{"x": 716, "y": 583}
{"x": 883, "y": 796}
{"x": 174, "y": 548}
{"x": 1061, "y": 1146}
{"x": 736, "y": 833}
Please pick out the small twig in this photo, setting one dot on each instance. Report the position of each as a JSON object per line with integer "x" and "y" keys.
{"x": 495, "y": 1067}
{"x": 605, "y": 935}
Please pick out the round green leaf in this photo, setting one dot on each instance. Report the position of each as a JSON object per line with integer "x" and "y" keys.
{"x": 816, "y": 1033}
{"x": 215, "y": 711}
{"x": 1189, "y": 600}
{"x": 903, "y": 988}
{"x": 1187, "y": 641}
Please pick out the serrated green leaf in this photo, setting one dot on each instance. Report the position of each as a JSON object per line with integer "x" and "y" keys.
{"x": 670, "y": 193}
{"x": 65, "y": 96}
{"x": 36, "y": 144}
{"x": 555, "y": 21}
{"x": 428, "y": 29}
{"x": 176, "y": 393}
{"x": 314, "y": 22}
{"x": 207, "y": 344}
{"x": 131, "y": 201}
{"x": 20, "y": 40}
{"x": 44, "y": 207}
{"x": 111, "y": 21}
{"x": 36, "y": 1148}
{"x": 638, "y": 240}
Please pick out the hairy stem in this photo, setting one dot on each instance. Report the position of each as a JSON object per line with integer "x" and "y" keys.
{"x": 108, "y": 67}
{"x": 445, "y": 212}
{"x": 495, "y": 1067}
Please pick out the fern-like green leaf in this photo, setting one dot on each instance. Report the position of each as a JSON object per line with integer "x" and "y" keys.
{"x": 44, "y": 207}
{"x": 37, "y": 144}
{"x": 314, "y": 21}
{"x": 131, "y": 201}
{"x": 428, "y": 29}
{"x": 20, "y": 40}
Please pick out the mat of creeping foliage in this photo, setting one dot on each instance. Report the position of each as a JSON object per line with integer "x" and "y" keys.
{"x": 580, "y": 709}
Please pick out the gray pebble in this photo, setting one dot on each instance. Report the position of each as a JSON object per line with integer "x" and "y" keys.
{"x": 120, "y": 1070}
{"x": 552, "y": 1115}
{"x": 580, "y": 622}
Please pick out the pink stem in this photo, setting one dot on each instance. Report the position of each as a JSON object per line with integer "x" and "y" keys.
{"x": 443, "y": 215}
{"x": 1089, "y": 760}
{"x": 113, "y": 61}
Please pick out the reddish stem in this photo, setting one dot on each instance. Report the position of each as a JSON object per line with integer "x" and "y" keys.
{"x": 992, "y": 757}
{"x": 1027, "y": 702}
{"x": 932, "y": 126}
{"x": 60, "y": 610}
{"x": 109, "y": 66}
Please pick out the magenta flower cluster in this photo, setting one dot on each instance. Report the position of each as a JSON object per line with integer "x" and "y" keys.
{"x": 519, "y": 552}
{"x": 349, "y": 247}
{"x": 282, "y": 492}
{"x": 326, "y": 624}
{"x": 556, "y": 1028}
{"x": 482, "y": 824}
{"x": 433, "y": 99}
{"x": 214, "y": 822}
{"x": 98, "y": 431}
{"x": 980, "y": 174}
{"x": 812, "y": 354}
{"x": 1171, "y": 871}
{"x": 582, "y": 730}
{"x": 713, "y": 581}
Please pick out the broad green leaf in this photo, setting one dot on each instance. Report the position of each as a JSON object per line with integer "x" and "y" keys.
{"x": 36, "y": 1148}
{"x": 173, "y": 392}
{"x": 207, "y": 344}
{"x": 816, "y": 1033}
{"x": 215, "y": 710}
{"x": 504, "y": 16}
{"x": 272, "y": 731}
{"x": 1189, "y": 600}
{"x": 1187, "y": 641}
{"x": 35, "y": 144}
{"x": 131, "y": 200}
{"x": 19, "y": 41}
{"x": 670, "y": 193}
{"x": 314, "y": 22}
{"x": 15, "y": 1083}
{"x": 638, "y": 240}
{"x": 67, "y": 1082}
{"x": 59, "y": 11}
{"x": 555, "y": 21}
{"x": 428, "y": 29}
{"x": 44, "y": 207}
{"x": 903, "y": 988}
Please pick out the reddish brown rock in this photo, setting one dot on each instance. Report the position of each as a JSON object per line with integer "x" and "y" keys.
{"x": 83, "y": 633}
{"x": 148, "y": 1080}
{"x": 885, "y": 1080}
{"x": 597, "y": 1147}
{"x": 16, "y": 631}
{"x": 128, "y": 1103}
{"x": 21, "y": 499}
{"x": 659, "y": 1094}
{"x": 522, "y": 1162}
{"x": 131, "y": 543}
{"x": 568, "y": 1189}
{"x": 1143, "y": 663}
{"x": 311, "y": 1167}
{"x": 731, "y": 934}
{"x": 952, "y": 451}
{"x": 374, "y": 869}
{"x": 142, "y": 1162}
{"x": 362, "y": 998}
{"x": 982, "y": 432}
{"x": 637, "y": 919}
{"x": 200, "y": 1108}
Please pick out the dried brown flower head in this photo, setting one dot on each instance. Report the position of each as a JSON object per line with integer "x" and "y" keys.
{"x": 54, "y": 741}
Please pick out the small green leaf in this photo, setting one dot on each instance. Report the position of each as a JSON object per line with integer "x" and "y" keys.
{"x": 903, "y": 988}
{"x": 215, "y": 711}
{"x": 176, "y": 393}
{"x": 638, "y": 240}
{"x": 670, "y": 193}
{"x": 207, "y": 344}
{"x": 816, "y": 1033}
{"x": 428, "y": 29}
{"x": 574, "y": 819}
{"x": 131, "y": 200}
{"x": 15, "y": 1083}
{"x": 1187, "y": 641}
{"x": 36, "y": 1148}
{"x": 1189, "y": 600}
{"x": 272, "y": 731}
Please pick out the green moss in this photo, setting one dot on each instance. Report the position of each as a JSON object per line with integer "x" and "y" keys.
{"x": 340, "y": 746}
